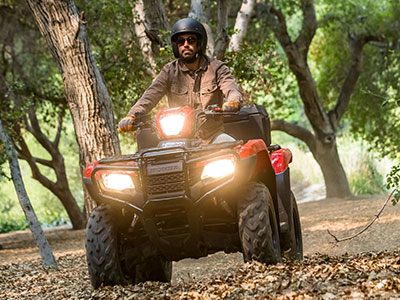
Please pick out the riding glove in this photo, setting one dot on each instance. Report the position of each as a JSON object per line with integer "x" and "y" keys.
{"x": 231, "y": 106}
{"x": 126, "y": 124}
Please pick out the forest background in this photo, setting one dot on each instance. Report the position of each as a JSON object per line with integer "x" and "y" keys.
{"x": 344, "y": 54}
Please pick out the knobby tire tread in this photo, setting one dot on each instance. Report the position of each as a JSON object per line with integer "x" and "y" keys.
{"x": 102, "y": 250}
{"x": 254, "y": 225}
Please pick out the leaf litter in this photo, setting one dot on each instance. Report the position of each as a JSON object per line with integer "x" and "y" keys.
{"x": 359, "y": 276}
{"x": 364, "y": 272}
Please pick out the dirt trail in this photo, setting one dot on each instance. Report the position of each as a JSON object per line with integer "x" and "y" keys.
{"x": 22, "y": 278}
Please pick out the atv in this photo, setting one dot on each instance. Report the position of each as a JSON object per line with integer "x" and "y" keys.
{"x": 178, "y": 198}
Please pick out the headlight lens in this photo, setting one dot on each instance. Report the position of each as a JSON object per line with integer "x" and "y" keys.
{"x": 172, "y": 124}
{"x": 219, "y": 168}
{"x": 118, "y": 182}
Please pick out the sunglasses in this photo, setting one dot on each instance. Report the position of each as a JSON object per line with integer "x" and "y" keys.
{"x": 191, "y": 41}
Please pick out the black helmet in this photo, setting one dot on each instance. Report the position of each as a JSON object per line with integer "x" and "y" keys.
{"x": 189, "y": 25}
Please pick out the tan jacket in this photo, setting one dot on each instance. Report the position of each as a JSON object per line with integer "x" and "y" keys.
{"x": 212, "y": 83}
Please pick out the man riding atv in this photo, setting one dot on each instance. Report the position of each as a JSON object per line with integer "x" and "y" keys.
{"x": 190, "y": 190}
{"x": 193, "y": 79}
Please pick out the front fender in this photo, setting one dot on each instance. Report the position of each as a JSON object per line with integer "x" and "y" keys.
{"x": 263, "y": 170}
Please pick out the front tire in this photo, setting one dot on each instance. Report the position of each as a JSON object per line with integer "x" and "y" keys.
{"x": 258, "y": 226}
{"x": 102, "y": 251}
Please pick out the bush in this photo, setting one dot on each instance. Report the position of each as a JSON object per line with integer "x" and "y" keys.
{"x": 7, "y": 225}
{"x": 367, "y": 180}
{"x": 393, "y": 182}
{"x": 364, "y": 171}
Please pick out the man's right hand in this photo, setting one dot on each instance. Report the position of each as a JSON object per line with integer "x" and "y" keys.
{"x": 126, "y": 124}
{"x": 231, "y": 106}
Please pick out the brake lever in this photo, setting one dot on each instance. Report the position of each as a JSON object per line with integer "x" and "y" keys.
{"x": 215, "y": 110}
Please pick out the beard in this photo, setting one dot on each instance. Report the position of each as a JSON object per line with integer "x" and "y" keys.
{"x": 189, "y": 59}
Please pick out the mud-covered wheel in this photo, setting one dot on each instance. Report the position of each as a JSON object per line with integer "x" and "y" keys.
{"x": 154, "y": 269}
{"x": 292, "y": 240}
{"x": 258, "y": 227}
{"x": 105, "y": 264}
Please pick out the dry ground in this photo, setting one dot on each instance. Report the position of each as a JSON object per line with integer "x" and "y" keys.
{"x": 366, "y": 267}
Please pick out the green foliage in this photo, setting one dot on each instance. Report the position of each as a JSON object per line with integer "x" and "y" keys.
{"x": 365, "y": 170}
{"x": 379, "y": 79}
{"x": 11, "y": 216}
{"x": 7, "y": 225}
{"x": 265, "y": 78}
{"x": 375, "y": 110}
{"x": 367, "y": 180}
{"x": 374, "y": 107}
{"x": 393, "y": 182}
{"x": 3, "y": 160}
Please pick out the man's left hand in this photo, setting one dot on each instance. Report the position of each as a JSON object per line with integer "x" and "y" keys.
{"x": 231, "y": 106}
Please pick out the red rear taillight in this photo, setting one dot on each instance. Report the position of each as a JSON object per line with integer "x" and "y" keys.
{"x": 281, "y": 159}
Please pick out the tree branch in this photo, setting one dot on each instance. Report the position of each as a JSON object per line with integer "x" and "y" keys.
{"x": 296, "y": 131}
{"x": 357, "y": 44}
{"x": 25, "y": 154}
{"x": 325, "y": 19}
{"x": 56, "y": 141}
{"x": 308, "y": 29}
{"x": 337, "y": 240}
{"x": 35, "y": 130}
{"x": 277, "y": 22}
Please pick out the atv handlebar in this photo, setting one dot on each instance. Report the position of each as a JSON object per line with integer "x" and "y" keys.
{"x": 211, "y": 111}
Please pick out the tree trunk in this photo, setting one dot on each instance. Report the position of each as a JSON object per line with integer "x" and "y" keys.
{"x": 242, "y": 21}
{"x": 85, "y": 91}
{"x": 149, "y": 19}
{"x": 48, "y": 259}
{"x": 324, "y": 150}
{"x": 327, "y": 157}
{"x": 222, "y": 41}
{"x": 144, "y": 40}
{"x": 197, "y": 12}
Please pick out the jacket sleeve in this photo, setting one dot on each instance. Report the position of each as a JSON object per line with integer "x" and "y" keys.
{"x": 228, "y": 84}
{"x": 152, "y": 95}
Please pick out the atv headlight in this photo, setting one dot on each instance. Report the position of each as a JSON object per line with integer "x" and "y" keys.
{"x": 175, "y": 122}
{"x": 117, "y": 181}
{"x": 172, "y": 124}
{"x": 219, "y": 168}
